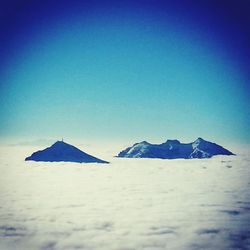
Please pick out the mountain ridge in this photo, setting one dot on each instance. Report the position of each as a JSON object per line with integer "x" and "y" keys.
{"x": 174, "y": 149}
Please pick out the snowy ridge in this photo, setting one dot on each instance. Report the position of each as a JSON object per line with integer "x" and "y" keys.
{"x": 174, "y": 149}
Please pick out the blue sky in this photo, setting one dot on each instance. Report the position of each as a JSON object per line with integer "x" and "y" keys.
{"x": 124, "y": 72}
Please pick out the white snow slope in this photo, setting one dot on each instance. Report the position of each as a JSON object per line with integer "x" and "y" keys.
{"x": 130, "y": 204}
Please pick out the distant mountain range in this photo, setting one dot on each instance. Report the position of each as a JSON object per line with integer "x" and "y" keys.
{"x": 171, "y": 149}
{"x": 61, "y": 151}
{"x": 174, "y": 149}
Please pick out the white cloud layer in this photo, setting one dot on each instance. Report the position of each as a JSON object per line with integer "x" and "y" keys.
{"x": 129, "y": 204}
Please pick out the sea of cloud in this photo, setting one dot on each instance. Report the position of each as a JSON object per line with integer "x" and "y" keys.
{"x": 129, "y": 204}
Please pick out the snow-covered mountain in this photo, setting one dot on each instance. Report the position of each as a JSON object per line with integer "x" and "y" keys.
{"x": 61, "y": 151}
{"x": 174, "y": 149}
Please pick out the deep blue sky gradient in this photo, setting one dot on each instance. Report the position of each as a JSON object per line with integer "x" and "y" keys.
{"x": 143, "y": 69}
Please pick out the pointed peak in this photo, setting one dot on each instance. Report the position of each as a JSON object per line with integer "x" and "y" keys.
{"x": 59, "y": 143}
{"x": 142, "y": 143}
{"x": 199, "y": 139}
{"x": 61, "y": 151}
{"x": 173, "y": 142}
